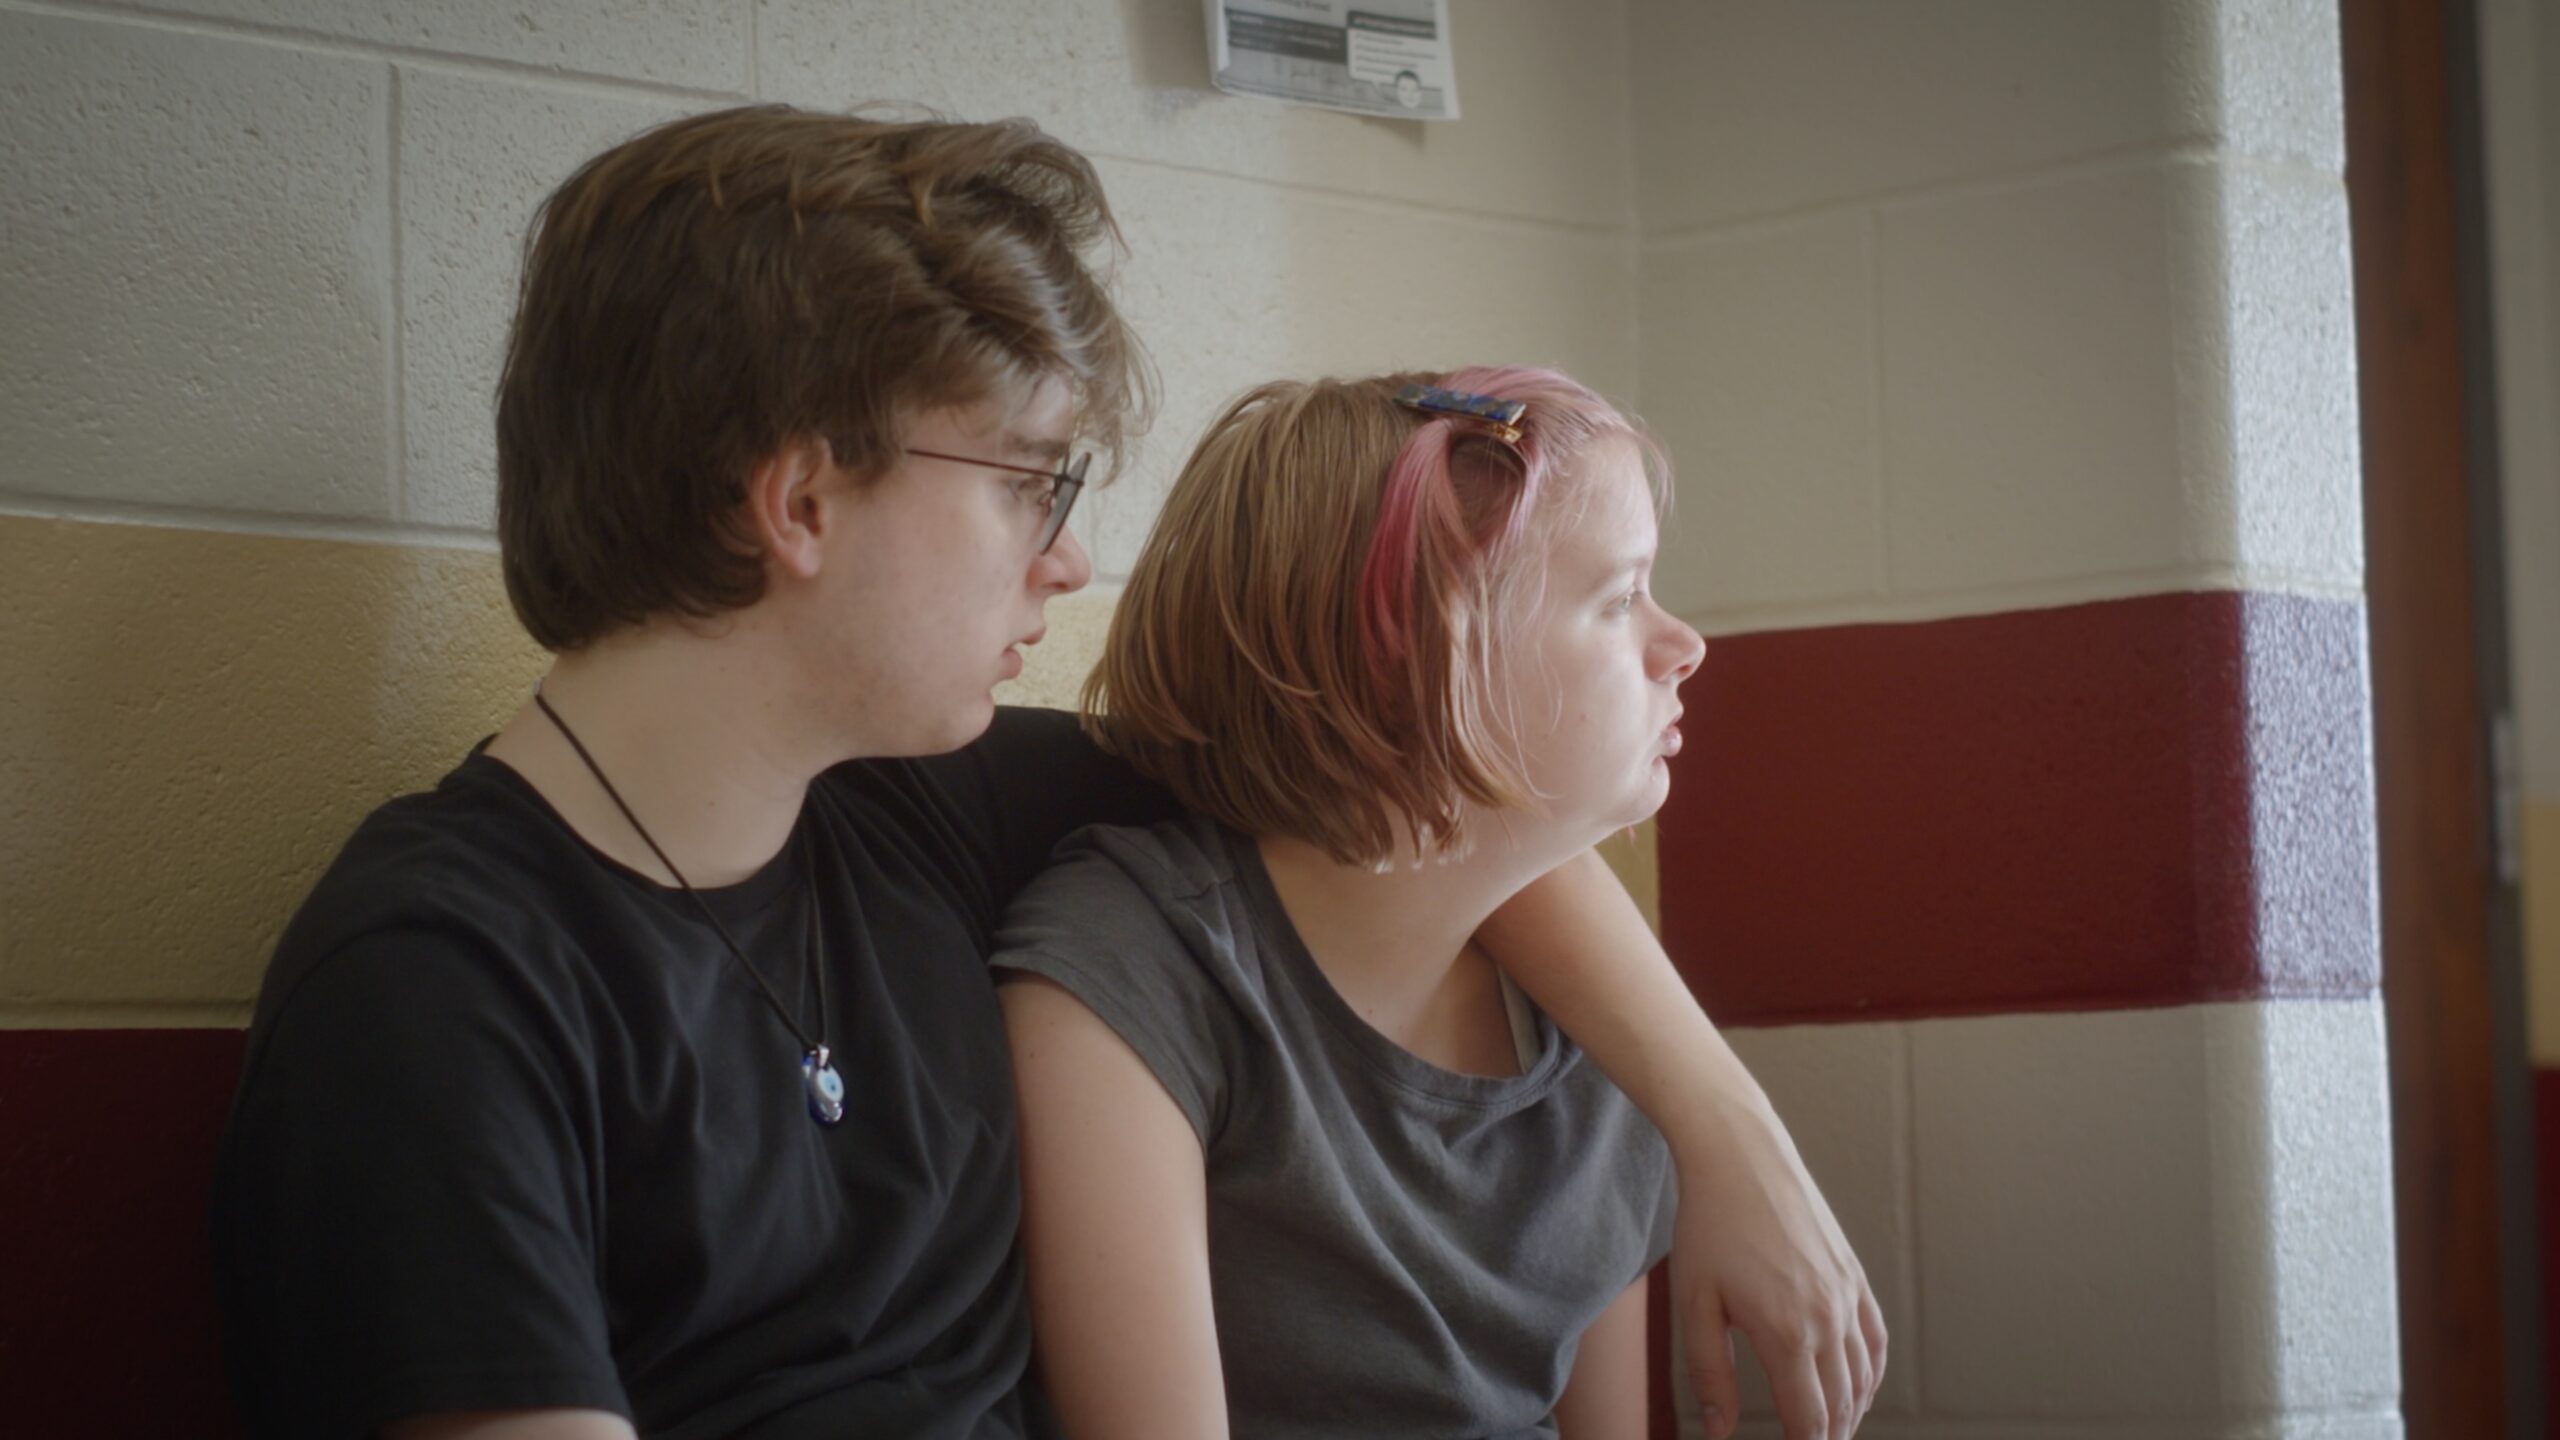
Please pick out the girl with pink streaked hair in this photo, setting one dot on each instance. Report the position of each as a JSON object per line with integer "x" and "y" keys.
{"x": 1298, "y": 1159}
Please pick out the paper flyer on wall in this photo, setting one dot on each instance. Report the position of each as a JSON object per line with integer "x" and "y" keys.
{"x": 1371, "y": 57}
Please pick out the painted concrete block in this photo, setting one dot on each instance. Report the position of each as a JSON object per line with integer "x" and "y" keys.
{"x": 196, "y": 309}
{"x": 701, "y": 44}
{"x": 2067, "y": 1209}
{"x": 1844, "y": 1092}
{"x": 2296, "y": 509}
{"x": 1118, "y": 77}
{"x": 1234, "y": 282}
{"x": 1542, "y": 87}
{"x": 2207, "y": 1188}
{"x": 2281, "y": 92}
{"x": 477, "y": 155}
{"x": 1547, "y": 105}
{"x": 2323, "y": 1219}
{"x": 1759, "y": 374}
{"x": 2032, "y": 376}
{"x": 2313, "y": 884}
{"x": 191, "y": 723}
{"x": 1755, "y": 110}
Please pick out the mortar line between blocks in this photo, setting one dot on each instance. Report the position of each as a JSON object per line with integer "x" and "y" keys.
{"x": 1883, "y": 492}
{"x": 1631, "y": 248}
{"x": 1908, "y": 1348}
{"x": 24, "y": 1014}
{"x": 1374, "y": 201}
{"x": 263, "y": 524}
{"x": 2095, "y": 164}
{"x": 344, "y": 47}
{"x": 1827, "y": 612}
{"x": 397, "y": 376}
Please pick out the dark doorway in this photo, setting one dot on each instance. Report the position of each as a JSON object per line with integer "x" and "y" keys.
{"x": 2470, "y": 1321}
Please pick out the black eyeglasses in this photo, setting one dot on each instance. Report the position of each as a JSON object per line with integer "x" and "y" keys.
{"x": 1064, "y": 484}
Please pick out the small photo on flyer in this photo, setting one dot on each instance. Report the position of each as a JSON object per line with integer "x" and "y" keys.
{"x": 1370, "y": 57}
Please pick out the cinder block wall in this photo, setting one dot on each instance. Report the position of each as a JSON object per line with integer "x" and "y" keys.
{"x": 1961, "y": 316}
{"x": 259, "y": 258}
{"x": 2024, "y": 844}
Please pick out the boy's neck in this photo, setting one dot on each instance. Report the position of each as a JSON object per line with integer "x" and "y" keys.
{"x": 703, "y": 749}
{"x": 1398, "y": 944}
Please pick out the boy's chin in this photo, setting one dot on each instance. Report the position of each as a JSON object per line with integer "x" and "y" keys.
{"x": 942, "y": 734}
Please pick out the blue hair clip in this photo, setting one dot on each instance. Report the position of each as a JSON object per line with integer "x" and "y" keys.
{"x": 1501, "y": 416}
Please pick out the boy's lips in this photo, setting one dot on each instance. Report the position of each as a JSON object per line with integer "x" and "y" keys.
{"x": 1012, "y": 662}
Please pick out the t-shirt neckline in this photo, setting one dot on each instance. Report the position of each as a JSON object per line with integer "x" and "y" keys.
{"x": 1391, "y": 1061}
{"x": 736, "y": 902}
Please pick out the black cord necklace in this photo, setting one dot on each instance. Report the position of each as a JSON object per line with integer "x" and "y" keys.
{"x": 817, "y": 1066}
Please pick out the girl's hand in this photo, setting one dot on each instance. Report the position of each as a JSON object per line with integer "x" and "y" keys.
{"x": 1755, "y": 1249}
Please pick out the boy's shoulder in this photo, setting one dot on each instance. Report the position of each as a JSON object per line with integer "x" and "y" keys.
{"x": 476, "y": 867}
{"x": 479, "y": 837}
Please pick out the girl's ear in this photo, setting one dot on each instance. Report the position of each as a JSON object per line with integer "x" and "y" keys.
{"x": 786, "y": 510}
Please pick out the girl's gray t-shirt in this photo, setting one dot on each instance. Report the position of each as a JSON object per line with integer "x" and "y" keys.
{"x": 1395, "y": 1249}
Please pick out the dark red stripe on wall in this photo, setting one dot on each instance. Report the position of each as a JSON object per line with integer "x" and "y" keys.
{"x": 2546, "y": 1137}
{"x": 2140, "y": 802}
{"x": 107, "y": 1140}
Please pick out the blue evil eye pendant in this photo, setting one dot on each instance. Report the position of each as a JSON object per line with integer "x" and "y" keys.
{"x": 825, "y": 1086}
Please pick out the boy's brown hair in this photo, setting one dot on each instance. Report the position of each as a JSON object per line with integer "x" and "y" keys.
{"x": 711, "y": 290}
{"x": 1313, "y": 639}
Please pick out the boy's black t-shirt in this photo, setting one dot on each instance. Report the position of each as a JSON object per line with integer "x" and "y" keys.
{"x": 515, "y": 1130}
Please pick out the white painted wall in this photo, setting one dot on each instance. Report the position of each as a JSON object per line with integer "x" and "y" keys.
{"x": 2154, "y": 1223}
{"x": 1987, "y": 305}
{"x": 262, "y": 251}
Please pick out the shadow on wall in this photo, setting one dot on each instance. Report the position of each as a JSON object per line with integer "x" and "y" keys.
{"x": 191, "y": 723}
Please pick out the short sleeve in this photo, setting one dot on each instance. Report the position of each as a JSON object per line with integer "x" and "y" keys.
{"x": 404, "y": 1212}
{"x": 1031, "y": 780}
{"x": 1159, "y": 966}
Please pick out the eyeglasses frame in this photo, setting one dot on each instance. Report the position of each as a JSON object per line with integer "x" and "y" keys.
{"x": 1068, "y": 478}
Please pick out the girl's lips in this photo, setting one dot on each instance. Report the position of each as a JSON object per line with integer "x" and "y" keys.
{"x": 1671, "y": 739}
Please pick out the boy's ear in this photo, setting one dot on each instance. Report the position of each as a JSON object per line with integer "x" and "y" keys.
{"x": 786, "y": 508}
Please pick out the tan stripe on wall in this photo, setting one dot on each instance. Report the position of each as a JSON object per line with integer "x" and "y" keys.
{"x": 190, "y": 723}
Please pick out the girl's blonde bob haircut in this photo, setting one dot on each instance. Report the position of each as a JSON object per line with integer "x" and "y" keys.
{"x": 1310, "y": 643}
